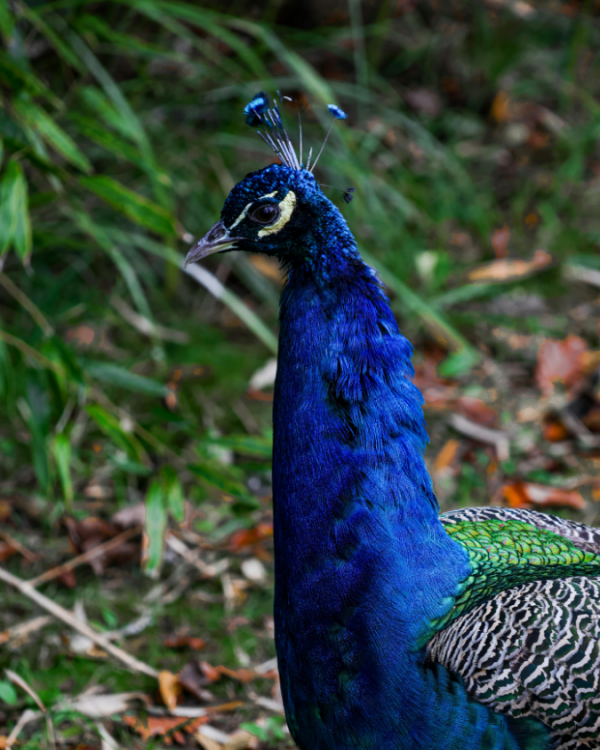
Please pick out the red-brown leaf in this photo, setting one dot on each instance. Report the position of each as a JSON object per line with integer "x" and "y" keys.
{"x": 560, "y": 361}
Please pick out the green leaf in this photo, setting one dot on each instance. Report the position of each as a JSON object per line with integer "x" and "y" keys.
{"x": 119, "y": 376}
{"x": 97, "y": 101}
{"x": 8, "y": 694}
{"x": 174, "y": 493}
{"x": 136, "y": 207}
{"x": 18, "y": 79}
{"x": 15, "y": 226}
{"x": 116, "y": 432}
{"x": 116, "y": 146}
{"x": 7, "y": 20}
{"x": 40, "y": 121}
{"x": 246, "y": 445}
{"x": 61, "y": 449}
{"x": 220, "y": 478}
{"x": 155, "y": 529}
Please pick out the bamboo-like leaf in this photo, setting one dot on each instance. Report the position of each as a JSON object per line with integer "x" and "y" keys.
{"x": 15, "y": 225}
{"x": 220, "y": 478}
{"x": 98, "y": 102}
{"x": 7, "y": 20}
{"x": 119, "y": 376}
{"x": 39, "y": 120}
{"x": 116, "y": 146}
{"x": 174, "y": 493}
{"x": 19, "y": 79}
{"x": 136, "y": 207}
{"x": 114, "y": 430}
{"x": 55, "y": 39}
{"x": 61, "y": 449}
{"x": 155, "y": 529}
{"x": 102, "y": 236}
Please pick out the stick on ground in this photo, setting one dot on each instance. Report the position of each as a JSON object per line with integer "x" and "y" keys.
{"x": 63, "y": 614}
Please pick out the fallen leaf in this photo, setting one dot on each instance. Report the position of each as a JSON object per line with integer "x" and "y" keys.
{"x": 184, "y": 641}
{"x": 96, "y": 706}
{"x": 521, "y": 494}
{"x": 510, "y": 269}
{"x": 170, "y": 689}
{"x": 500, "y": 240}
{"x": 561, "y": 361}
{"x": 193, "y": 679}
{"x": 215, "y": 673}
{"x": 247, "y": 537}
{"x": 131, "y": 515}
{"x": 555, "y": 432}
{"x": 477, "y": 411}
{"x": 438, "y": 392}
{"x": 157, "y": 726}
{"x": 446, "y": 456}
{"x": 241, "y": 740}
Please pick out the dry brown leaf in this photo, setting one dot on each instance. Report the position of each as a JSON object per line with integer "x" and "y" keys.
{"x": 446, "y": 456}
{"x": 247, "y": 537}
{"x": 184, "y": 641}
{"x": 477, "y": 411}
{"x": 555, "y": 432}
{"x": 193, "y": 679}
{"x": 212, "y": 674}
{"x": 437, "y": 392}
{"x": 520, "y": 494}
{"x": 170, "y": 688}
{"x": 560, "y": 361}
{"x": 156, "y": 726}
{"x": 241, "y": 740}
{"x": 500, "y": 240}
{"x": 510, "y": 269}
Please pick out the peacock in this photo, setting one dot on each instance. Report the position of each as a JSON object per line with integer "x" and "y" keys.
{"x": 397, "y": 628}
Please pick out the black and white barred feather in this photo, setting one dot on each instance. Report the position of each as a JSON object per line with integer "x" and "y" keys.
{"x": 534, "y": 650}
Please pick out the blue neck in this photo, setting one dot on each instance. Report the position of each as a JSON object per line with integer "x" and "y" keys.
{"x": 358, "y": 543}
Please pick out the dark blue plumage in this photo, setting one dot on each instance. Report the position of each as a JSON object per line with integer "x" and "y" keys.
{"x": 366, "y": 572}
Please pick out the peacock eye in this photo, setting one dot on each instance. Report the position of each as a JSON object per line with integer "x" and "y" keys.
{"x": 265, "y": 213}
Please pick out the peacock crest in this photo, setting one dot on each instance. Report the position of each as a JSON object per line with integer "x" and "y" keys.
{"x": 266, "y": 117}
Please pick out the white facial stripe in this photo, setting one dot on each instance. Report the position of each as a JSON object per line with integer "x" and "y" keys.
{"x": 242, "y": 216}
{"x": 287, "y": 206}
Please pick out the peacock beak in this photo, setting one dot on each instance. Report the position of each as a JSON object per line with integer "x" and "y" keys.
{"x": 216, "y": 240}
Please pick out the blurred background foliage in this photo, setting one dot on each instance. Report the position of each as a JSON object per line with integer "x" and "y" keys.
{"x": 473, "y": 134}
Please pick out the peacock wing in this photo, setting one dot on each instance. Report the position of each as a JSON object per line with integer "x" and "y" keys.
{"x": 508, "y": 547}
{"x": 533, "y": 651}
{"x": 524, "y": 632}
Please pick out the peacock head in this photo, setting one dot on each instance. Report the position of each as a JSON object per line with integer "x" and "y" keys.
{"x": 279, "y": 210}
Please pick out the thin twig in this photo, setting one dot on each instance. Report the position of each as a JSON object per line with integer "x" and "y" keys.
{"x": 146, "y": 326}
{"x": 86, "y": 557}
{"x": 27, "y": 716}
{"x": 208, "y": 571}
{"x": 497, "y": 438}
{"x": 61, "y": 613}
{"x": 17, "y": 680}
{"x": 18, "y": 546}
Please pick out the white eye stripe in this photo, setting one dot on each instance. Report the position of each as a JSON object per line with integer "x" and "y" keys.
{"x": 242, "y": 216}
{"x": 286, "y": 207}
